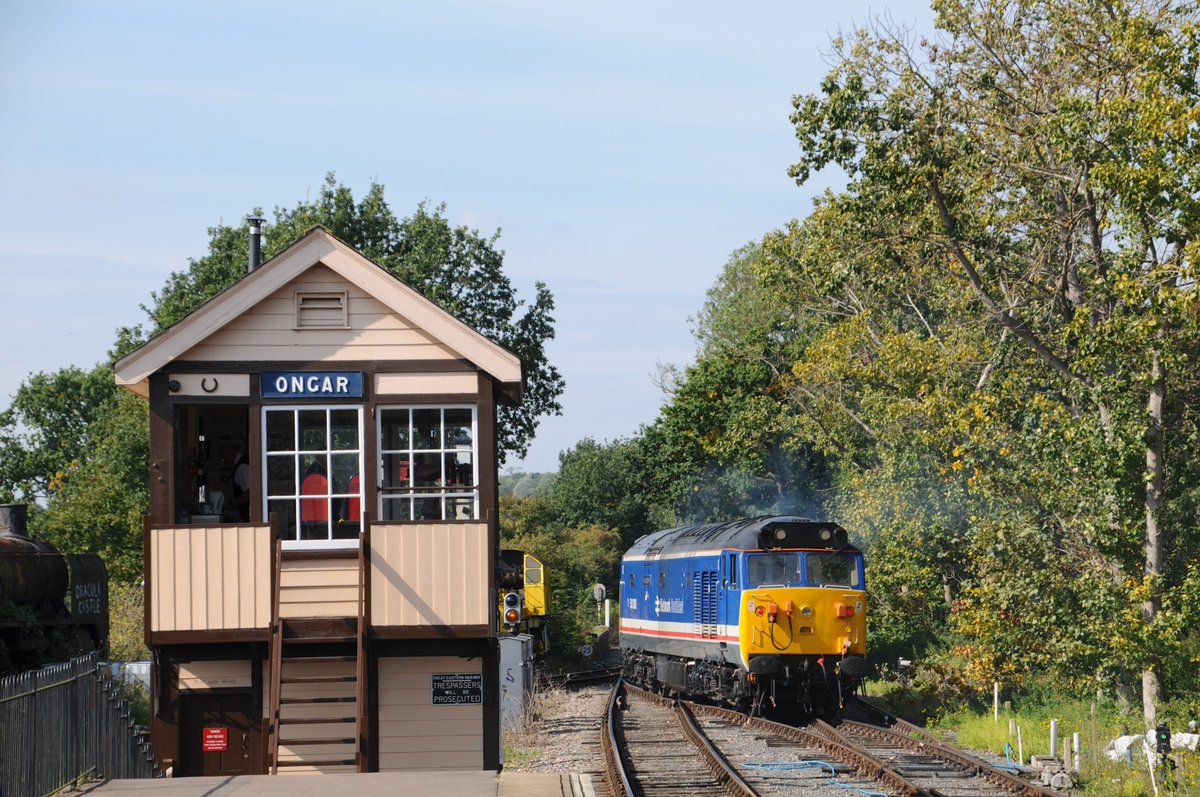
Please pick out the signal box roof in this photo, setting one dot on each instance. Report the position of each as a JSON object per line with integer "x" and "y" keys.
{"x": 316, "y": 249}
{"x": 769, "y": 532}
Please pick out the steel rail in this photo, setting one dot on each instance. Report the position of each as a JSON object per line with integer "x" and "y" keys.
{"x": 581, "y": 678}
{"x": 909, "y": 736}
{"x": 717, "y": 764}
{"x": 720, "y": 768}
{"x": 614, "y": 768}
{"x": 842, "y": 748}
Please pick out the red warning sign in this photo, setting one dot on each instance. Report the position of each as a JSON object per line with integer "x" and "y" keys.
{"x": 216, "y": 740}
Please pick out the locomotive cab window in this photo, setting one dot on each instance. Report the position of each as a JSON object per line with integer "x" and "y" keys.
{"x": 832, "y": 570}
{"x": 774, "y": 570}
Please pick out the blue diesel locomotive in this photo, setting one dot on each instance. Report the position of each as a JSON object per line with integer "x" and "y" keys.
{"x": 762, "y": 614}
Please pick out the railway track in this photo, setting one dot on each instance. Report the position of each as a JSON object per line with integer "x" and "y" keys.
{"x": 653, "y": 746}
{"x": 571, "y": 680}
{"x": 919, "y": 756}
{"x": 647, "y": 752}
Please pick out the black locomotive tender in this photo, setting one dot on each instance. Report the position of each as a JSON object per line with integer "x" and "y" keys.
{"x": 52, "y": 605}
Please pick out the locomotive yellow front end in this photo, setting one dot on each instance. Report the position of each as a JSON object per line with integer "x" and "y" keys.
{"x": 803, "y": 622}
{"x": 802, "y": 626}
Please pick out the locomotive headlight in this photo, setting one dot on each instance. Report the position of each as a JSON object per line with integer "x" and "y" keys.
{"x": 806, "y": 611}
{"x": 780, "y": 534}
{"x": 826, "y": 534}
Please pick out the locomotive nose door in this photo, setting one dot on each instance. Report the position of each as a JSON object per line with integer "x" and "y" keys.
{"x": 648, "y": 590}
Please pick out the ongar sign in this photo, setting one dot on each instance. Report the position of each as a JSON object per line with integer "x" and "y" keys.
{"x": 312, "y": 384}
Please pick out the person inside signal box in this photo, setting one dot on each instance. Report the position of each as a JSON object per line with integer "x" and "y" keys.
{"x": 241, "y": 484}
{"x": 351, "y": 512}
{"x": 314, "y": 510}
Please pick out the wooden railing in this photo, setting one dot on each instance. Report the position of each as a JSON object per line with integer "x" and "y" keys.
{"x": 276, "y": 671}
{"x": 364, "y": 613}
{"x": 207, "y": 579}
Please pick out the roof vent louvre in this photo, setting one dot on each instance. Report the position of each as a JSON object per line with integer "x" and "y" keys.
{"x": 326, "y": 310}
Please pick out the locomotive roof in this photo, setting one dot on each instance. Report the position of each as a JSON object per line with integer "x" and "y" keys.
{"x": 782, "y": 531}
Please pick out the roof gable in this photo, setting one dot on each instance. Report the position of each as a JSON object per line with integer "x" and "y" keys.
{"x": 318, "y": 246}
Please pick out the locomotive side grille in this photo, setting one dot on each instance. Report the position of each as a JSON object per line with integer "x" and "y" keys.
{"x": 710, "y": 604}
{"x": 704, "y": 604}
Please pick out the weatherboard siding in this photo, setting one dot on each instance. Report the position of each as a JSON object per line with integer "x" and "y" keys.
{"x": 210, "y": 578}
{"x": 414, "y": 733}
{"x": 430, "y": 574}
{"x": 268, "y": 332}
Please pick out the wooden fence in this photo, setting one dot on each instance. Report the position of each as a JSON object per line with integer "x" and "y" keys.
{"x": 64, "y": 724}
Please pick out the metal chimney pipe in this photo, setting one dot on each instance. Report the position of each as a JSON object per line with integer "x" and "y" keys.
{"x": 13, "y": 520}
{"x": 255, "y": 241}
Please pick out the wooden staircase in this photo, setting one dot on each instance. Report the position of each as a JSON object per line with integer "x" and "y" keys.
{"x": 317, "y": 678}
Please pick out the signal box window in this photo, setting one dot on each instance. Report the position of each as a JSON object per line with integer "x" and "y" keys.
{"x": 428, "y": 463}
{"x": 314, "y": 457}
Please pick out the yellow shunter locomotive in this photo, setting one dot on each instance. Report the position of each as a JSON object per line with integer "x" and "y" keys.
{"x": 524, "y": 602}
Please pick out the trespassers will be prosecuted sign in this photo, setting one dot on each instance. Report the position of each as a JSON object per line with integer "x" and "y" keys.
{"x": 457, "y": 689}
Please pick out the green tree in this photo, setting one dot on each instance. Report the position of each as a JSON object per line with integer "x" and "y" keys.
{"x": 723, "y": 444}
{"x": 99, "y": 506}
{"x": 455, "y": 267}
{"x": 575, "y": 559}
{"x": 48, "y": 430}
{"x": 126, "y": 623}
{"x": 1048, "y": 151}
{"x": 598, "y": 484}
{"x": 880, "y": 381}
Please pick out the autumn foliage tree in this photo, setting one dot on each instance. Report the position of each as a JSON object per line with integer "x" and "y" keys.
{"x": 1045, "y": 155}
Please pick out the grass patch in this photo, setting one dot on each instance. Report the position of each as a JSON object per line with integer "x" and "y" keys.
{"x": 522, "y": 746}
{"x": 975, "y": 728}
{"x": 518, "y": 758}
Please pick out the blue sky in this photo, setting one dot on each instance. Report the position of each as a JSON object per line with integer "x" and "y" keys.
{"x": 623, "y": 149}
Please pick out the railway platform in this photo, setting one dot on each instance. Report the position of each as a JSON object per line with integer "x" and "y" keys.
{"x": 374, "y": 784}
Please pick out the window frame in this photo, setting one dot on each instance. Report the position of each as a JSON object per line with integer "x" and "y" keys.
{"x": 443, "y": 491}
{"x": 298, "y": 453}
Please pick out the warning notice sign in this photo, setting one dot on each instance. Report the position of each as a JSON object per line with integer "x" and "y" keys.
{"x": 215, "y": 740}
{"x": 457, "y": 689}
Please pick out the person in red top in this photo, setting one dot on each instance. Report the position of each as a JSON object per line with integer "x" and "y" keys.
{"x": 351, "y": 510}
{"x": 314, "y": 511}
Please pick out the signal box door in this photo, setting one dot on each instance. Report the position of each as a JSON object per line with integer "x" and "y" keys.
{"x": 214, "y": 735}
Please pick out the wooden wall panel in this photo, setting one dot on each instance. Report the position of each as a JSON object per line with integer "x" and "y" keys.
{"x": 414, "y": 733}
{"x": 267, "y": 332}
{"x": 417, "y": 384}
{"x": 319, "y": 588}
{"x": 203, "y": 675}
{"x": 209, "y": 579}
{"x": 430, "y": 574}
